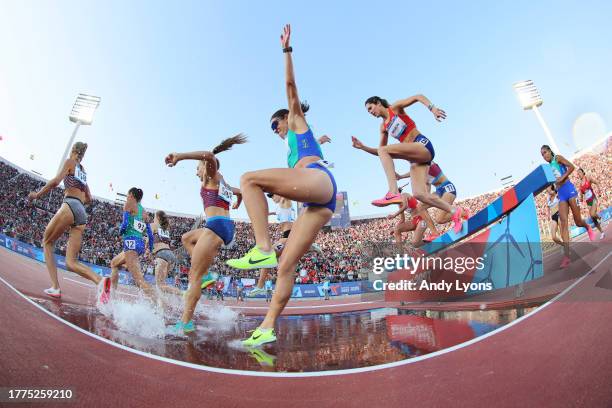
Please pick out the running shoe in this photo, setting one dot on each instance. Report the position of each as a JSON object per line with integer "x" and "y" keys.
{"x": 54, "y": 293}
{"x": 565, "y": 262}
{"x": 591, "y": 233}
{"x": 184, "y": 327}
{"x": 602, "y": 236}
{"x": 104, "y": 289}
{"x": 254, "y": 259}
{"x": 262, "y": 357}
{"x": 207, "y": 280}
{"x": 457, "y": 220}
{"x": 388, "y": 199}
{"x": 259, "y": 337}
{"x": 256, "y": 291}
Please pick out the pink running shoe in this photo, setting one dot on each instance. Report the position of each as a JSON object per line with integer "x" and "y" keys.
{"x": 388, "y": 199}
{"x": 104, "y": 288}
{"x": 591, "y": 233}
{"x": 54, "y": 293}
{"x": 565, "y": 262}
{"x": 457, "y": 220}
{"x": 430, "y": 237}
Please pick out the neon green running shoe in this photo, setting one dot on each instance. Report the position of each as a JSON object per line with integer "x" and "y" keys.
{"x": 260, "y": 337}
{"x": 254, "y": 259}
{"x": 207, "y": 280}
{"x": 262, "y": 357}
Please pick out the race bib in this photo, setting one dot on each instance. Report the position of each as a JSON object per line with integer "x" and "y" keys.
{"x": 80, "y": 175}
{"x": 130, "y": 244}
{"x": 588, "y": 195}
{"x": 163, "y": 233}
{"x": 396, "y": 127}
{"x": 139, "y": 226}
{"x": 449, "y": 188}
{"x": 225, "y": 193}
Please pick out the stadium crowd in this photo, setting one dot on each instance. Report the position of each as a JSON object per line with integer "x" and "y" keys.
{"x": 341, "y": 256}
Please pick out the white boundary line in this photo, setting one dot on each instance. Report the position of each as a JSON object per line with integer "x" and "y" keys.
{"x": 309, "y": 374}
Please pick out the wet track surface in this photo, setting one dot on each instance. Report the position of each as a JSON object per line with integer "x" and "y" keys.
{"x": 309, "y": 343}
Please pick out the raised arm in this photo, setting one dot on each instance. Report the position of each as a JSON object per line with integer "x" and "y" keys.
{"x": 296, "y": 120}
{"x": 357, "y": 144}
{"x": 211, "y": 161}
{"x": 55, "y": 181}
{"x": 399, "y": 106}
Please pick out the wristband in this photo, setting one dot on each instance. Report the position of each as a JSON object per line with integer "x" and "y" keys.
{"x": 288, "y": 49}
{"x": 431, "y": 106}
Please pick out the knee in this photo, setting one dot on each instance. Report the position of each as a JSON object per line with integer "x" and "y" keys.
{"x": 71, "y": 264}
{"x": 420, "y": 195}
{"x": 185, "y": 239}
{"x": 247, "y": 179}
{"x": 47, "y": 241}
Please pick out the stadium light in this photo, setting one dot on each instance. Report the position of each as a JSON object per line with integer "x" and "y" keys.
{"x": 81, "y": 114}
{"x": 529, "y": 97}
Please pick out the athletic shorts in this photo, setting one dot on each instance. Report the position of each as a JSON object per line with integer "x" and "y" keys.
{"x": 167, "y": 255}
{"x": 134, "y": 244}
{"x": 555, "y": 217}
{"x": 331, "y": 204}
{"x": 78, "y": 210}
{"x": 446, "y": 187}
{"x": 428, "y": 145}
{"x": 567, "y": 191}
{"x": 223, "y": 227}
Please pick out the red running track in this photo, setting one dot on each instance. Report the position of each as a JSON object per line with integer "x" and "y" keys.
{"x": 560, "y": 355}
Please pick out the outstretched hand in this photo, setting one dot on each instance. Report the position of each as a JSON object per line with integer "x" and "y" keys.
{"x": 33, "y": 196}
{"x": 285, "y": 36}
{"x": 439, "y": 114}
{"x": 356, "y": 143}
{"x": 171, "y": 159}
{"x": 324, "y": 139}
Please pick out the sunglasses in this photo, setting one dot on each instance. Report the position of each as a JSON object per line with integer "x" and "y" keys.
{"x": 274, "y": 125}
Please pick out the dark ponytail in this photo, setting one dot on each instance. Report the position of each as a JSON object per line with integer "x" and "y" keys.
{"x": 136, "y": 192}
{"x": 227, "y": 144}
{"x": 163, "y": 219}
{"x": 376, "y": 99}
{"x": 282, "y": 113}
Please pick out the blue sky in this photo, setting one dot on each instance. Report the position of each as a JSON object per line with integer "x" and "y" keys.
{"x": 182, "y": 76}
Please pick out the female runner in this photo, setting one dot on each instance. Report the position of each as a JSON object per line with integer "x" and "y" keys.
{"x": 70, "y": 217}
{"x": 219, "y": 230}
{"x": 307, "y": 180}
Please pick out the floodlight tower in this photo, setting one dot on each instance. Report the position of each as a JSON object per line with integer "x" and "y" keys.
{"x": 81, "y": 114}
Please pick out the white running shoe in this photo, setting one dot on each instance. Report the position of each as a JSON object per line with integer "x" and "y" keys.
{"x": 602, "y": 235}
{"x": 256, "y": 291}
{"x": 55, "y": 293}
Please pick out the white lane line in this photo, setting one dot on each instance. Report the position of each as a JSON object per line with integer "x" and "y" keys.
{"x": 91, "y": 286}
{"x": 310, "y": 374}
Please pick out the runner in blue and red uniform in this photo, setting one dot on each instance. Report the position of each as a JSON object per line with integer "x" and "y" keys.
{"x": 566, "y": 192}
{"x": 588, "y": 195}
{"x": 219, "y": 230}
{"x": 412, "y": 146}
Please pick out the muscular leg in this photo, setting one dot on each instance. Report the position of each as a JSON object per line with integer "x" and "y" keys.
{"x": 72, "y": 255}
{"x": 116, "y": 262}
{"x": 298, "y": 184}
{"x": 413, "y": 152}
{"x": 303, "y": 234}
{"x": 133, "y": 266}
{"x": 202, "y": 257}
{"x": 60, "y": 222}
{"x": 563, "y": 215}
{"x": 190, "y": 238}
{"x": 161, "y": 273}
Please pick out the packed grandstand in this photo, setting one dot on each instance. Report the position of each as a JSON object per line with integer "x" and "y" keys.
{"x": 340, "y": 259}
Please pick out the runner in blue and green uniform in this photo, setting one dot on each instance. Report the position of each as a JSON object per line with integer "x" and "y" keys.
{"x": 133, "y": 228}
{"x": 566, "y": 192}
{"x": 307, "y": 180}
